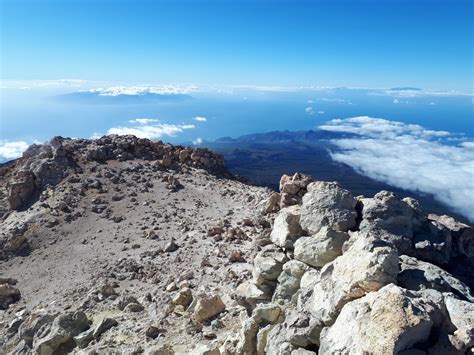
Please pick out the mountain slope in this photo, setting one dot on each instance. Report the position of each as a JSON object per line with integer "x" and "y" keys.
{"x": 127, "y": 246}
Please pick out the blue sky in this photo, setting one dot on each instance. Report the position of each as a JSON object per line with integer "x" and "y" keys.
{"x": 338, "y": 43}
{"x": 194, "y": 71}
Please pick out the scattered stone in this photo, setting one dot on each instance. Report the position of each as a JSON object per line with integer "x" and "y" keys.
{"x": 208, "y": 307}
{"x": 171, "y": 246}
{"x": 104, "y": 325}
{"x": 8, "y": 295}
{"x": 184, "y": 297}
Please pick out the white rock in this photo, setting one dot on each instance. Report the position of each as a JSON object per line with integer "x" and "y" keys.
{"x": 289, "y": 280}
{"x": 327, "y": 204}
{"x": 383, "y": 322}
{"x": 286, "y": 228}
{"x": 320, "y": 248}
{"x": 309, "y": 278}
{"x": 461, "y": 313}
{"x": 208, "y": 307}
{"x": 366, "y": 267}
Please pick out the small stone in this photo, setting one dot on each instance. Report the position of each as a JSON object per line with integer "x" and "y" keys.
{"x": 152, "y": 332}
{"x": 171, "y": 246}
{"x": 236, "y": 257}
{"x": 134, "y": 307}
{"x": 217, "y": 324}
{"x": 104, "y": 325}
{"x": 184, "y": 297}
{"x": 171, "y": 287}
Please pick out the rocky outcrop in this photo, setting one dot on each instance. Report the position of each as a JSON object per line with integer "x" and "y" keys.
{"x": 49, "y": 163}
{"x": 365, "y": 275}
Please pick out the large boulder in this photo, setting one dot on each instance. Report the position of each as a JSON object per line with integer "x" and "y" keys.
{"x": 390, "y": 218}
{"x": 208, "y": 307}
{"x": 368, "y": 265}
{"x": 432, "y": 242}
{"x": 297, "y": 331}
{"x": 462, "y": 235}
{"x": 418, "y": 275}
{"x": 461, "y": 315}
{"x": 327, "y": 204}
{"x": 286, "y": 228}
{"x": 249, "y": 294}
{"x": 384, "y": 322}
{"x": 52, "y": 339}
{"x": 320, "y": 248}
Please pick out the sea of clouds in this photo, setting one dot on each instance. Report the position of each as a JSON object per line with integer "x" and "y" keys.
{"x": 410, "y": 157}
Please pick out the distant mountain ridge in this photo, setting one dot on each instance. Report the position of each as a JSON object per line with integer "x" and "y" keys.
{"x": 310, "y": 136}
{"x": 264, "y": 157}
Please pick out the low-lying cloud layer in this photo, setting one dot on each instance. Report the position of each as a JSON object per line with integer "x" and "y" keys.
{"x": 150, "y": 128}
{"x": 409, "y": 157}
{"x": 143, "y": 90}
{"x": 12, "y": 150}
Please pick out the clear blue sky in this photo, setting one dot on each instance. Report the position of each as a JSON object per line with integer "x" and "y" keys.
{"x": 353, "y": 43}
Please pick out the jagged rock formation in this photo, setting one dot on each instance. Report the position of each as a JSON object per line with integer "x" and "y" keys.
{"x": 123, "y": 245}
{"x": 368, "y": 275}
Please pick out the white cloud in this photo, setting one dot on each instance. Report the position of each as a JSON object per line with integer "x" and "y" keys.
{"x": 417, "y": 93}
{"x": 410, "y": 157}
{"x": 309, "y": 110}
{"x": 143, "y": 90}
{"x": 197, "y": 141}
{"x": 150, "y": 131}
{"x": 143, "y": 120}
{"x": 12, "y": 150}
{"x": 396, "y": 101}
{"x": 326, "y": 99}
{"x": 200, "y": 119}
{"x": 365, "y": 125}
{"x": 321, "y": 112}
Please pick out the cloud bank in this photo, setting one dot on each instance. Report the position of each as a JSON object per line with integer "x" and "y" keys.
{"x": 143, "y": 90}
{"x": 12, "y": 150}
{"x": 410, "y": 157}
{"x": 149, "y": 128}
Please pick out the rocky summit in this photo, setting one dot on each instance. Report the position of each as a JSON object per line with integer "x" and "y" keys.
{"x": 123, "y": 245}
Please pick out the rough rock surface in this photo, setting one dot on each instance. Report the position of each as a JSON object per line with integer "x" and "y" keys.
{"x": 127, "y": 246}
{"x": 366, "y": 276}
{"x": 327, "y": 204}
{"x": 384, "y": 322}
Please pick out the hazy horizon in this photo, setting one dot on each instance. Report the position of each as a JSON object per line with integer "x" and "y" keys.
{"x": 397, "y": 74}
